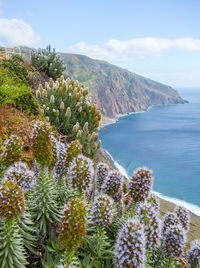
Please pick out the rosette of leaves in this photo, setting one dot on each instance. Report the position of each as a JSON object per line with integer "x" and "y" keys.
{"x": 102, "y": 211}
{"x": 113, "y": 183}
{"x": 151, "y": 222}
{"x": 73, "y": 150}
{"x": 174, "y": 242}
{"x": 139, "y": 186}
{"x": 21, "y": 175}
{"x": 12, "y": 253}
{"x": 72, "y": 227}
{"x": 183, "y": 217}
{"x": 193, "y": 254}
{"x": 81, "y": 174}
{"x": 12, "y": 151}
{"x": 170, "y": 219}
{"x": 101, "y": 174}
{"x": 47, "y": 61}
{"x": 130, "y": 245}
{"x": 68, "y": 107}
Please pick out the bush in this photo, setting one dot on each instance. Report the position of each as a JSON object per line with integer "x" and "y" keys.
{"x": 66, "y": 105}
{"x": 48, "y": 62}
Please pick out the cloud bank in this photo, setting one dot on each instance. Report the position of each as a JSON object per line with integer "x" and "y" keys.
{"x": 16, "y": 32}
{"x": 134, "y": 49}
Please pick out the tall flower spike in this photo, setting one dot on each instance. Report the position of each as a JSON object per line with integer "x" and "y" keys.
{"x": 54, "y": 143}
{"x": 174, "y": 241}
{"x": 73, "y": 225}
{"x": 193, "y": 255}
{"x": 42, "y": 146}
{"x": 130, "y": 246}
{"x": 81, "y": 172}
{"x": 151, "y": 222}
{"x": 12, "y": 151}
{"x": 61, "y": 156}
{"x": 140, "y": 184}
{"x": 113, "y": 183}
{"x": 102, "y": 211}
{"x": 11, "y": 200}
{"x": 73, "y": 150}
{"x": 102, "y": 173}
{"x": 21, "y": 175}
{"x": 183, "y": 216}
{"x": 170, "y": 219}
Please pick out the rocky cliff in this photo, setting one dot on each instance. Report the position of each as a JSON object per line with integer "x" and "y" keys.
{"x": 116, "y": 90}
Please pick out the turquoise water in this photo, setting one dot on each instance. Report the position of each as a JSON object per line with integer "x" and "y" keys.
{"x": 165, "y": 139}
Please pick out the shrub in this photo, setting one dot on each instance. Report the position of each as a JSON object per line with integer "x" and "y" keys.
{"x": 48, "y": 61}
{"x": 66, "y": 105}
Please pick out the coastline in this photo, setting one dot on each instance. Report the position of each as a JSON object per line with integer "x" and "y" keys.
{"x": 195, "y": 210}
{"x": 166, "y": 205}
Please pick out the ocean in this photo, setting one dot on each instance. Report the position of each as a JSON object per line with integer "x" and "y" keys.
{"x": 166, "y": 139}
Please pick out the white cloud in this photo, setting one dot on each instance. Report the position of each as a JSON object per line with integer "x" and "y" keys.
{"x": 15, "y": 32}
{"x": 138, "y": 48}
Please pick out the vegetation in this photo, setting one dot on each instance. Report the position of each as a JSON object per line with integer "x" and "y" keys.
{"x": 48, "y": 61}
{"x": 66, "y": 105}
{"x": 63, "y": 209}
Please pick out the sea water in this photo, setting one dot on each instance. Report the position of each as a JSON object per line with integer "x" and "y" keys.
{"x": 166, "y": 139}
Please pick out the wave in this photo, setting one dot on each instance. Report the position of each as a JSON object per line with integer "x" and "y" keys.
{"x": 192, "y": 208}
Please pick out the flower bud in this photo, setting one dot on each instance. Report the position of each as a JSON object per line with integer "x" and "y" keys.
{"x": 85, "y": 127}
{"x": 52, "y": 99}
{"x": 68, "y": 112}
{"x": 62, "y": 105}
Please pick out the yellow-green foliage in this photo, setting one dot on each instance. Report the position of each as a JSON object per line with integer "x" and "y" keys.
{"x": 14, "y": 88}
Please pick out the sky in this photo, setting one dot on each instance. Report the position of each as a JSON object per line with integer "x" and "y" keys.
{"x": 159, "y": 39}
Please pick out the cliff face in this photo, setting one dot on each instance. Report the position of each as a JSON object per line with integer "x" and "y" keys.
{"x": 117, "y": 91}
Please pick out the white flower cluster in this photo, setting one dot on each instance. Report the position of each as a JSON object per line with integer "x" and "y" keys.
{"x": 102, "y": 173}
{"x": 170, "y": 219}
{"x": 140, "y": 184}
{"x": 81, "y": 172}
{"x": 102, "y": 211}
{"x": 193, "y": 255}
{"x": 61, "y": 156}
{"x": 21, "y": 175}
{"x": 12, "y": 148}
{"x": 39, "y": 126}
{"x": 174, "y": 241}
{"x": 113, "y": 183}
{"x": 183, "y": 216}
{"x": 152, "y": 225}
{"x": 130, "y": 246}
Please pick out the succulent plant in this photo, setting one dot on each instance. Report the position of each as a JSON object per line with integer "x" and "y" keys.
{"x": 101, "y": 174}
{"x": 140, "y": 184}
{"x": 151, "y": 222}
{"x": 113, "y": 183}
{"x": 11, "y": 200}
{"x": 12, "y": 151}
{"x": 154, "y": 201}
{"x": 174, "y": 241}
{"x": 193, "y": 255}
{"x": 21, "y": 175}
{"x": 73, "y": 225}
{"x": 81, "y": 173}
{"x": 130, "y": 246}
{"x": 102, "y": 211}
{"x": 183, "y": 216}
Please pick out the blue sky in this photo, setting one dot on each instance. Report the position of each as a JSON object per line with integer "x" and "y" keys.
{"x": 159, "y": 39}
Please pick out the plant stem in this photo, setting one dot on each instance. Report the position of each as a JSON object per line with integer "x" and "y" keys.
{"x": 133, "y": 210}
{"x": 170, "y": 265}
{"x": 43, "y": 174}
{"x": 99, "y": 242}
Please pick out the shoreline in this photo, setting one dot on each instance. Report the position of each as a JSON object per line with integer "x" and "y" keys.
{"x": 193, "y": 209}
